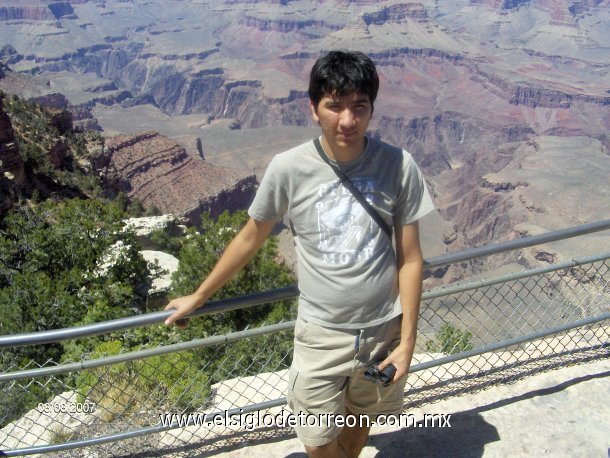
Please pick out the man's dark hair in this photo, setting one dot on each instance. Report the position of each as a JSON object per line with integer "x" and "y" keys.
{"x": 342, "y": 73}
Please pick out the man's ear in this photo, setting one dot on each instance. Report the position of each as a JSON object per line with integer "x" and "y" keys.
{"x": 314, "y": 111}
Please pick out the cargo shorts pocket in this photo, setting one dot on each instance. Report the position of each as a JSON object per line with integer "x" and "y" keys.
{"x": 293, "y": 375}
{"x": 301, "y": 329}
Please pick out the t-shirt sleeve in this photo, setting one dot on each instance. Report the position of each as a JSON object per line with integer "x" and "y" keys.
{"x": 271, "y": 200}
{"x": 414, "y": 200}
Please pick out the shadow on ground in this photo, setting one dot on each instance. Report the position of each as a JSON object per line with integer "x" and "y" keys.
{"x": 468, "y": 435}
{"x": 467, "y": 438}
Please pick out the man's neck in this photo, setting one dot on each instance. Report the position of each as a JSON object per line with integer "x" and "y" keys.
{"x": 338, "y": 154}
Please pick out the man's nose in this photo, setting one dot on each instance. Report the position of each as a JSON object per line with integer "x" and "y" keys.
{"x": 347, "y": 118}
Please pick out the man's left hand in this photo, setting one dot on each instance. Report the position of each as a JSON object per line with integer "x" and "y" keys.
{"x": 401, "y": 358}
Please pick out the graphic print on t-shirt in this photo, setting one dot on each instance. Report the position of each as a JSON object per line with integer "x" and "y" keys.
{"x": 345, "y": 227}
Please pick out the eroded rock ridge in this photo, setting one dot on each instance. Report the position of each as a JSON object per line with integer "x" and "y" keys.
{"x": 158, "y": 171}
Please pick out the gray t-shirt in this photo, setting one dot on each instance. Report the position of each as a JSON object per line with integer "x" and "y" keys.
{"x": 347, "y": 271}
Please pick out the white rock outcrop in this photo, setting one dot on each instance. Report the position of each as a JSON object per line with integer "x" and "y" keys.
{"x": 167, "y": 264}
{"x": 145, "y": 226}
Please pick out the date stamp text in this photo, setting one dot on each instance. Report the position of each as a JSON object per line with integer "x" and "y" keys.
{"x": 67, "y": 407}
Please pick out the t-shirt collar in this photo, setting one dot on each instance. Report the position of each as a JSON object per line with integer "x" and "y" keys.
{"x": 354, "y": 162}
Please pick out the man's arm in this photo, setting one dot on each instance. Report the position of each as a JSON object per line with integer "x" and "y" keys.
{"x": 410, "y": 274}
{"x": 241, "y": 249}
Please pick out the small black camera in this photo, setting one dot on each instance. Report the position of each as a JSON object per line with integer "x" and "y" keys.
{"x": 384, "y": 377}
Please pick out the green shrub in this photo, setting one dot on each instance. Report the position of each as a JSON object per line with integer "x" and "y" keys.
{"x": 59, "y": 435}
{"x": 170, "y": 381}
{"x": 450, "y": 341}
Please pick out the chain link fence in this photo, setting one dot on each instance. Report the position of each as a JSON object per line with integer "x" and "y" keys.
{"x": 179, "y": 399}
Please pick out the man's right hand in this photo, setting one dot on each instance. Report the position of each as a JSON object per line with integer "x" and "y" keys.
{"x": 183, "y": 306}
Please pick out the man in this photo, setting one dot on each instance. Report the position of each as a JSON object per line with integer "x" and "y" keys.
{"x": 359, "y": 297}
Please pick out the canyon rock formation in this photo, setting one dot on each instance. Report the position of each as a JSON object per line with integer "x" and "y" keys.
{"x": 35, "y": 10}
{"x": 467, "y": 86}
{"x": 158, "y": 172}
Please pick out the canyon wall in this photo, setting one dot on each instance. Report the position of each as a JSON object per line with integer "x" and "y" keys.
{"x": 158, "y": 172}
{"x": 34, "y": 11}
{"x": 466, "y": 86}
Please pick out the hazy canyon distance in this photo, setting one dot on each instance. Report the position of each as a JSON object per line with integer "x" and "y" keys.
{"x": 505, "y": 104}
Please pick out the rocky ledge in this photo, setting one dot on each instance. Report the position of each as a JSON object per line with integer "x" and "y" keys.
{"x": 396, "y": 13}
{"x": 159, "y": 172}
{"x": 35, "y": 11}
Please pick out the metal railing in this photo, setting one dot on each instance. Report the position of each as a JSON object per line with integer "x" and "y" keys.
{"x": 471, "y": 335}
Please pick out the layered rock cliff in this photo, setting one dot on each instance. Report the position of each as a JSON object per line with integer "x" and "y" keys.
{"x": 282, "y": 25}
{"x": 35, "y": 11}
{"x": 159, "y": 172}
{"x": 532, "y": 96}
{"x": 444, "y": 142}
{"x": 396, "y": 13}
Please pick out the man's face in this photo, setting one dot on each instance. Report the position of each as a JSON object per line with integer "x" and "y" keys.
{"x": 344, "y": 121}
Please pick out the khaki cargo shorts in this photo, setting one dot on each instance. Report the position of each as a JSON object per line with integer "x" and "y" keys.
{"x": 327, "y": 375}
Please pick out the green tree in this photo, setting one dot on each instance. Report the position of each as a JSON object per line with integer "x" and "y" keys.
{"x": 50, "y": 268}
{"x": 52, "y": 275}
{"x": 186, "y": 378}
{"x": 200, "y": 253}
{"x": 135, "y": 208}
